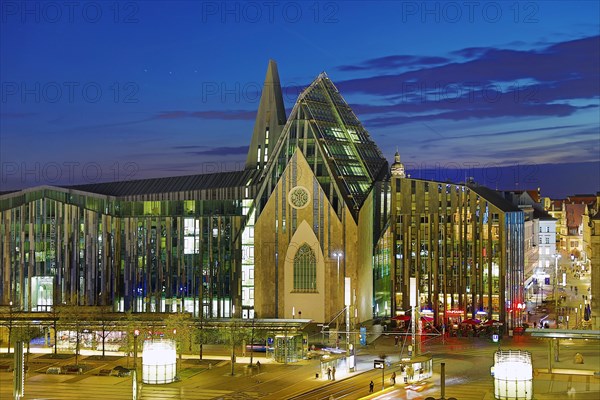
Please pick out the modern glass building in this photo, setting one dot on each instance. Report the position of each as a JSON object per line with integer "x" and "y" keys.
{"x": 463, "y": 243}
{"x": 315, "y": 223}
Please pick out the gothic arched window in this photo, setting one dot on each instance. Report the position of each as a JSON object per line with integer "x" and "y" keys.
{"x": 305, "y": 270}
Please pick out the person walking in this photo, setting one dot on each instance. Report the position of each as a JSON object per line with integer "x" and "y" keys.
{"x": 328, "y": 373}
{"x": 410, "y": 373}
{"x": 371, "y": 387}
{"x": 333, "y": 374}
{"x": 393, "y": 378}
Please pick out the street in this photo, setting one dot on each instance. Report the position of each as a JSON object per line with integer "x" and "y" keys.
{"x": 467, "y": 360}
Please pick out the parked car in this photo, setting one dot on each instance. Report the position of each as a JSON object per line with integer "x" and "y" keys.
{"x": 519, "y": 330}
{"x": 54, "y": 370}
{"x": 257, "y": 348}
{"x": 121, "y": 371}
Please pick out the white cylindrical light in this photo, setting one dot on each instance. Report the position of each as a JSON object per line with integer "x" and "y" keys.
{"x": 159, "y": 362}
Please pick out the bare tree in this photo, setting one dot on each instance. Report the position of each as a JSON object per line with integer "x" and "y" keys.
{"x": 235, "y": 333}
{"x": 179, "y": 328}
{"x": 74, "y": 318}
{"x": 8, "y": 320}
{"x": 106, "y": 324}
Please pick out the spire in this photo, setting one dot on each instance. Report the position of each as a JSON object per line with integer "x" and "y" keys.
{"x": 269, "y": 122}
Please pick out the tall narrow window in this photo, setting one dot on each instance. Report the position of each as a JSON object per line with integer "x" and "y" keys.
{"x": 305, "y": 270}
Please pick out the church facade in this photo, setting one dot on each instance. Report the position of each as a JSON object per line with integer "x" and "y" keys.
{"x": 315, "y": 225}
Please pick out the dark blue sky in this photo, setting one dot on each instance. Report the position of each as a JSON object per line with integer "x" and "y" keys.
{"x": 99, "y": 91}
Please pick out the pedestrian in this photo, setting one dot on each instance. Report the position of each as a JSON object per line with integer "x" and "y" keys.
{"x": 333, "y": 374}
{"x": 393, "y": 378}
{"x": 371, "y": 387}
{"x": 410, "y": 373}
{"x": 328, "y": 373}
{"x": 396, "y": 340}
{"x": 258, "y": 365}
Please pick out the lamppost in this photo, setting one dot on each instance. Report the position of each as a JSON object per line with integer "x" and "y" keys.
{"x": 556, "y": 257}
{"x": 355, "y": 328}
{"x": 252, "y": 339}
{"x": 338, "y": 255}
{"x": 10, "y": 324}
{"x": 136, "y": 333}
{"x": 347, "y": 304}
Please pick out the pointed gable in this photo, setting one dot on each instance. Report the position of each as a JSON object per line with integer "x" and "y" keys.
{"x": 342, "y": 155}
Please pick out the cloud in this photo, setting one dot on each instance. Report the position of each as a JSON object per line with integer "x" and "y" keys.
{"x": 188, "y": 147}
{"x": 514, "y": 132}
{"x": 221, "y": 151}
{"x": 210, "y": 114}
{"x": 492, "y": 83}
{"x": 393, "y": 62}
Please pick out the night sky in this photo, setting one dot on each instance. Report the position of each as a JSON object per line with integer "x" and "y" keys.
{"x": 507, "y": 92}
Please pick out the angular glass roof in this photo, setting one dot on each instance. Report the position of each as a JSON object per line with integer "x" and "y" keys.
{"x": 338, "y": 147}
{"x": 352, "y": 155}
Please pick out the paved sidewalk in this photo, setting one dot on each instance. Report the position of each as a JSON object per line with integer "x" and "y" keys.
{"x": 211, "y": 377}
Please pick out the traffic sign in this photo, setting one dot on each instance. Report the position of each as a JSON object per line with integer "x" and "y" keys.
{"x": 378, "y": 364}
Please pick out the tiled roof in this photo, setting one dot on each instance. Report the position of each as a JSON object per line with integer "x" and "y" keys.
{"x": 574, "y": 214}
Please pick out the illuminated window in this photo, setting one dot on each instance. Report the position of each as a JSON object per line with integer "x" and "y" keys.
{"x": 305, "y": 270}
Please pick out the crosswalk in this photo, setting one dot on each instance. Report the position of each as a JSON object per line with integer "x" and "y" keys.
{"x": 58, "y": 388}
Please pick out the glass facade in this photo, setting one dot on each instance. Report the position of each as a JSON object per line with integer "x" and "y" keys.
{"x": 343, "y": 157}
{"x": 188, "y": 243}
{"x": 59, "y": 247}
{"x": 463, "y": 243}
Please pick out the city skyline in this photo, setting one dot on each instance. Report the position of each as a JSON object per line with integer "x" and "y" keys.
{"x": 135, "y": 90}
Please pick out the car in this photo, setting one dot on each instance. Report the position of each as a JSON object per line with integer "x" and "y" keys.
{"x": 54, "y": 371}
{"x": 257, "y": 348}
{"x": 121, "y": 371}
{"x": 519, "y": 330}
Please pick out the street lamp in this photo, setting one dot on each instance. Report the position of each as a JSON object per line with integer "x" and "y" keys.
{"x": 556, "y": 257}
{"x": 136, "y": 333}
{"x": 347, "y": 304}
{"x": 338, "y": 255}
{"x": 252, "y": 339}
{"x": 10, "y": 323}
